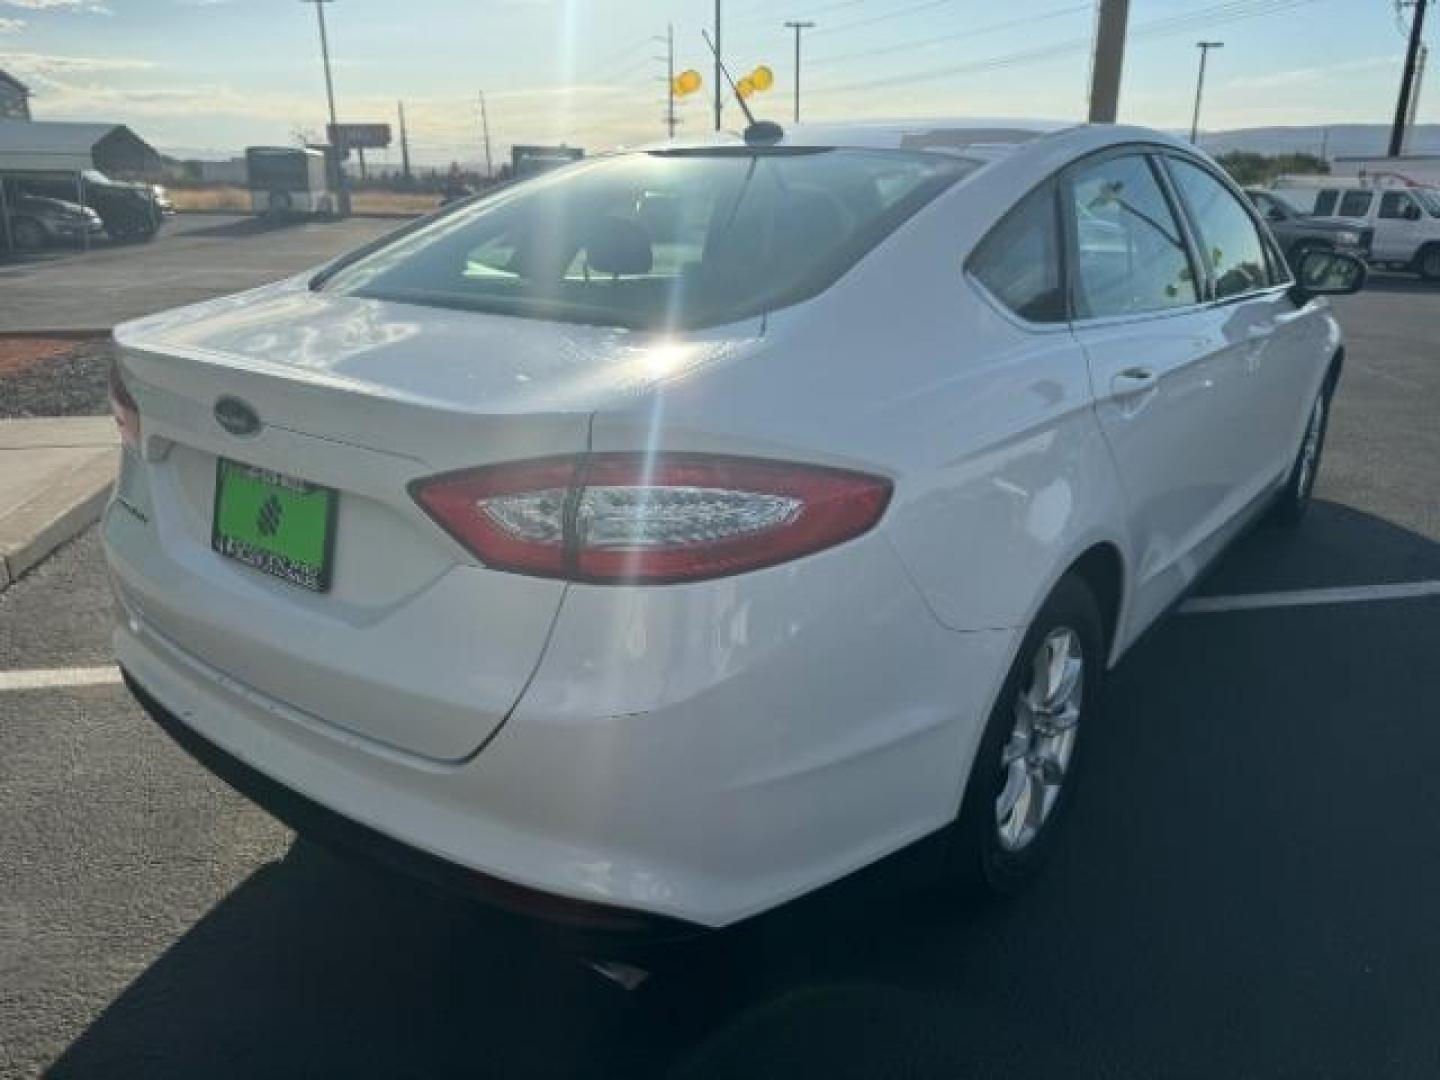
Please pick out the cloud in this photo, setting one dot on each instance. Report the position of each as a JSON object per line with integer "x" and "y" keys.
{"x": 41, "y": 65}
{"x": 11, "y": 26}
{"x": 1307, "y": 76}
{"x": 90, "y": 7}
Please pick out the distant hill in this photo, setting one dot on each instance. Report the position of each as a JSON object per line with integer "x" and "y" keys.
{"x": 1338, "y": 140}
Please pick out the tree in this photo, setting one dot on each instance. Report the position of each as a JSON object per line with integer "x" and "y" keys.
{"x": 1247, "y": 168}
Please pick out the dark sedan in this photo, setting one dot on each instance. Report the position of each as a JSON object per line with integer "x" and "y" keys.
{"x": 36, "y": 222}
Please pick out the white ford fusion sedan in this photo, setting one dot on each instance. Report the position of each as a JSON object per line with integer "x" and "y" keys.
{"x": 655, "y": 541}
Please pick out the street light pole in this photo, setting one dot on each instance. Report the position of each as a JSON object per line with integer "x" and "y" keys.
{"x": 798, "y": 27}
{"x": 1204, "y": 47}
{"x": 330, "y": 100}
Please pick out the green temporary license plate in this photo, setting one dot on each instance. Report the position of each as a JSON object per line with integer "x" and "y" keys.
{"x": 274, "y": 523}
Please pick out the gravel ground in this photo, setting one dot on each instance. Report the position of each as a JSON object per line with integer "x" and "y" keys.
{"x": 72, "y": 384}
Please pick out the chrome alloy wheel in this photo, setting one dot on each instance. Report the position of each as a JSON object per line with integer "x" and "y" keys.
{"x": 1037, "y": 754}
{"x": 1310, "y": 449}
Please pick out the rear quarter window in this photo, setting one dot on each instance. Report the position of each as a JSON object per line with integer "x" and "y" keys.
{"x": 1019, "y": 261}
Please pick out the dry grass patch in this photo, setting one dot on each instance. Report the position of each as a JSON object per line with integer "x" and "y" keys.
{"x": 237, "y": 200}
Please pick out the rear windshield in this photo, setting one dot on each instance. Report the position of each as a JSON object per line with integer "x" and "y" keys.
{"x": 668, "y": 239}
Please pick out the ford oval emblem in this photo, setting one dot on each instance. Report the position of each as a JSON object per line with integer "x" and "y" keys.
{"x": 236, "y": 417}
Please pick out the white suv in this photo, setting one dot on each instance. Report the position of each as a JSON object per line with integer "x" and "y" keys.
{"x": 1406, "y": 223}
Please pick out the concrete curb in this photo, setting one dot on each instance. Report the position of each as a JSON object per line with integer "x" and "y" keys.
{"x": 72, "y": 467}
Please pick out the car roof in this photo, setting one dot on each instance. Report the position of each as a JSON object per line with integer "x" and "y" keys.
{"x": 973, "y": 136}
{"x": 983, "y": 139}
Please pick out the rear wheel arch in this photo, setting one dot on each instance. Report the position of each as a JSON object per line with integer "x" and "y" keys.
{"x": 1102, "y": 568}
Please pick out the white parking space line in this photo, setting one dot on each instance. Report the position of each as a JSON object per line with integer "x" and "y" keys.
{"x": 56, "y": 678}
{"x": 1357, "y": 594}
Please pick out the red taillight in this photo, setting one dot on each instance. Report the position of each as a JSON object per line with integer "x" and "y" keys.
{"x": 618, "y": 518}
{"x": 122, "y": 406}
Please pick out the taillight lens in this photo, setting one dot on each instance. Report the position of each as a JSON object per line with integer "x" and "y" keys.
{"x": 622, "y": 518}
{"x": 122, "y": 406}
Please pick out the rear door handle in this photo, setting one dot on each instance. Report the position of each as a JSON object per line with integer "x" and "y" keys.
{"x": 1132, "y": 380}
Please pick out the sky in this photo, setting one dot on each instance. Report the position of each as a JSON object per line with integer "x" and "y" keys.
{"x": 205, "y": 78}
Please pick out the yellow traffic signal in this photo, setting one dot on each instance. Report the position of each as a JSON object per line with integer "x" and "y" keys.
{"x": 745, "y": 87}
{"x": 762, "y": 78}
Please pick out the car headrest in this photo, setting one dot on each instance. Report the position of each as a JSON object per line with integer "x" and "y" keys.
{"x": 616, "y": 245}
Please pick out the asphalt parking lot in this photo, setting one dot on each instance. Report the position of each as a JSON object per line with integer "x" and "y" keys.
{"x": 196, "y": 256}
{"x": 1247, "y": 889}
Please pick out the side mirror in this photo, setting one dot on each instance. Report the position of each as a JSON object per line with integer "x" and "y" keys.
{"x": 1327, "y": 273}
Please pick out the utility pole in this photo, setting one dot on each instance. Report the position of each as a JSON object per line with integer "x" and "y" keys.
{"x": 798, "y": 27}
{"x": 330, "y": 99}
{"x": 485, "y": 127}
{"x": 1109, "y": 60}
{"x": 1204, "y": 47}
{"x": 1407, "y": 80}
{"x": 1415, "y": 97}
{"x": 719, "y": 77}
{"x": 404, "y": 143}
{"x": 670, "y": 120}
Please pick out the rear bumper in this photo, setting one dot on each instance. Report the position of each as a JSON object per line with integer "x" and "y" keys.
{"x": 582, "y": 920}
{"x": 697, "y": 754}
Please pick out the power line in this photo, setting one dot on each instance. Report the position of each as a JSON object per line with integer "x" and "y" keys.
{"x": 1219, "y": 14}
{"x": 979, "y": 31}
{"x": 898, "y": 13}
{"x": 766, "y": 10}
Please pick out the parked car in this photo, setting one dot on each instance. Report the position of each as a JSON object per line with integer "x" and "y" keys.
{"x": 128, "y": 211}
{"x": 163, "y": 202}
{"x": 1299, "y": 232}
{"x": 36, "y": 222}
{"x": 1405, "y": 220}
{"x": 645, "y": 586}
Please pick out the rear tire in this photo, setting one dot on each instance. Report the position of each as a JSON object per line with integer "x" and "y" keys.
{"x": 27, "y": 235}
{"x": 1428, "y": 263}
{"x": 1299, "y": 489}
{"x": 1024, "y": 775}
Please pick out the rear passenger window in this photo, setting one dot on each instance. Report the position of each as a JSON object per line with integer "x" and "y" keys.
{"x": 1228, "y": 235}
{"x": 1131, "y": 257}
{"x": 1325, "y": 203}
{"x": 1355, "y": 204}
{"x": 1019, "y": 262}
{"x": 1393, "y": 204}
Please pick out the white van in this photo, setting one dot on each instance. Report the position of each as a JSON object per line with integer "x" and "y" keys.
{"x": 288, "y": 180}
{"x": 1406, "y": 220}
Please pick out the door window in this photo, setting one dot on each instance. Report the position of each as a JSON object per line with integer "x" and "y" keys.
{"x": 1394, "y": 204}
{"x": 1130, "y": 253}
{"x": 1227, "y": 232}
{"x": 1019, "y": 262}
{"x": 1355, "y": 204}
{"x": 1325, "y": 203}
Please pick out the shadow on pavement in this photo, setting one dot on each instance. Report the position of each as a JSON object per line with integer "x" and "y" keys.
{"x": 248, "y": 226}
{"x": 1336, "y": 546}
{"x": 1399, "y": 283}
{"x": 1247, "y": 887}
